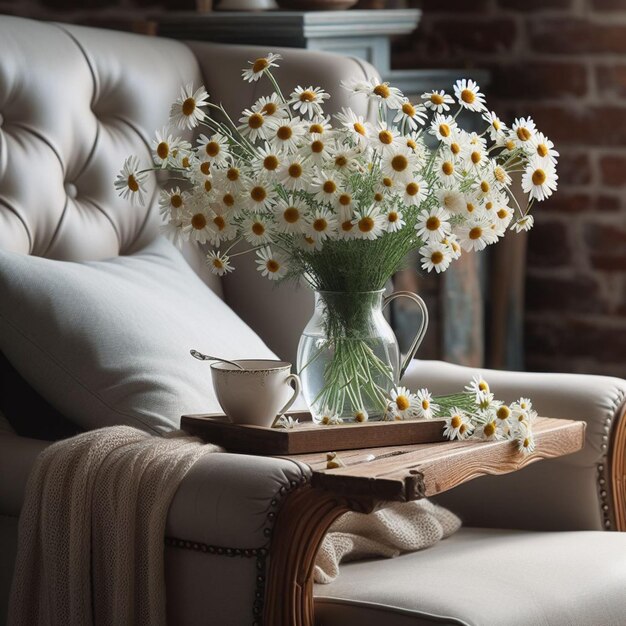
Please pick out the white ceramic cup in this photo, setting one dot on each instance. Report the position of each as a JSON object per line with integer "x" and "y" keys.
{"x": 256, "y": 394}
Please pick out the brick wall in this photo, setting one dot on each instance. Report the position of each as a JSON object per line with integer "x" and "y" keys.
{"x": 564, "y": 63}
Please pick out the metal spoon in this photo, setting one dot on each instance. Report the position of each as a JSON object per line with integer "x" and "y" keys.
{"x": 205, "y": 357}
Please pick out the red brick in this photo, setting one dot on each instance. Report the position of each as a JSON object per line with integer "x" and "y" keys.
{"x": 534, "y": 5}
{"x": 576, "y": 36}
{"x": 567, "y": 295}
{"x": 611, "y": 80}
{"x": 609, "y": 262}
{"x": 605, "y": 238}
{"x": 574, "y": 169}
{"x": 451, "y": 6}
{"x": 613, "y": 170}
{"x": 548, "y": 245}
{"x": 564, "y": 202}
{"x": 538, "y": 79}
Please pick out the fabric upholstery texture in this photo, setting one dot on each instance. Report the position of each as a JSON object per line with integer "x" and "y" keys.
{"x": 107, "y": 342}
{"x": 480, "y": 577}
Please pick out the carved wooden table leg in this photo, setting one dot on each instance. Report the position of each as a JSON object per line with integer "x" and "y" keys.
{"x": 301, "y": 525}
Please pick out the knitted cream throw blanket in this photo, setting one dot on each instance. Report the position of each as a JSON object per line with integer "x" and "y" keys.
{"x": 90, "y": 543}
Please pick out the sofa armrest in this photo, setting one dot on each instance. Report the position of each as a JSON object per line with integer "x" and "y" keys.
{"x": 582, "y": 491}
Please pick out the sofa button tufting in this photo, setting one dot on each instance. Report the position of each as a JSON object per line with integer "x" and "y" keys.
{"x": 71, "y": 190}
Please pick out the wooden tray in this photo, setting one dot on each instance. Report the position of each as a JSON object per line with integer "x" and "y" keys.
{"x": 309, "y": 437}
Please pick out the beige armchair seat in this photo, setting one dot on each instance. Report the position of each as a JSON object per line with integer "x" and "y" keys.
{"x": 74, "y": 102}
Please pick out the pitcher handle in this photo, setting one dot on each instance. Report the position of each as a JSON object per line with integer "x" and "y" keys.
{"x": 421, "y": 332}
{"x": 292, "y": 378}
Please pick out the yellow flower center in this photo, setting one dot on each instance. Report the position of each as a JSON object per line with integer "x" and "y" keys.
{"x": 490, "y": 429}
{"x": 488, "y": 205}
{"x": 462, "y": 429}
{"x": 385, "y": 137}
{"x": 269, "y": 108}
{"x": 217, "y": 263}
{"x": 186, "y": 162}
{"x": 539, "y": 177}
{"x": 542, "y": 150}
{"x": 388, "y": 182}
{"x": 411, "y": 144}
{"x": 447, "y": 168}
{"x": 408, "y": 109}
{"x": 503, "y": 412}
{"x": 205, "y": 168}
{"x": 433, "y": 223}
{"x": 392, "y": 217}
{"x": 163, "y": 150}
{"x": 220, "y": 222}
{"x": 456, "y": 421}
{"x": 496, "y": 124}
{"x": 412, "y": 189}
{"x": 295, "y": 170}
{"x": 341, "y": 161}
{"x": 258, "y": 194}
{"x": 436, "y": 257}
{"x": 258, "y": 229}
{"x": 523, "y": 134}
{"x": 256, "y": 121}
{"x": 212, "y": 148}
{"x": 402, "y": 402}
{"x": 198, "y": 221}
{"x": 132, "y": 183}
{"x": 436, "y": 99}
{"x": 317, "y": 146}
{"x": 259, "y": 65}
{"x": 468, "y": 96}
{"x": 475, "y": 233}
{"x": 270, "y": 162}
{"x": 500, "y": 174}
{"x": 359, "y": 128}
{"x": 483, "y": 386}
{"x": 291, "y": 215}
{"x": 320, "y": 225}
{"x": 526, "y": 442}
{"x": 347, "y": 226}
{"x": 484, "y": 186}
{"x": 425, "y": 404}
{"x": 189, "y": 106}
{"x": 366, "y": 224}
{"x": 208, "y": 185}
{"x": 475, "y": 157}
{"x": 378, "y": 197}
{"x": 316, "y": 128}
{"x": 329, "y": 186}
{"x": 444, "y": 130}
{"x": 509, "y": 145}
{"x": 232, "y": 174}
{"x": 228, "y": 199}
{"x": 502, "y": 213}
{"x": 272, "y": 265}
{"x": 176, "y": 201}
{"x": 307, "y": 96}
{"x": 382, "y": 91}
{"x": 399, "y": 163}
{"x": 455, "y": 148}
{"x": 359, "y": 417}
{"x": 284, "y": 133}
{"x": 345, "y": 199}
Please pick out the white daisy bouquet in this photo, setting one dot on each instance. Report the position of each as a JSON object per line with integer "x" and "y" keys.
{"x": 339, "y": 203}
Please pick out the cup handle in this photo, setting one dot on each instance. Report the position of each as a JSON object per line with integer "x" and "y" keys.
{"x": 421, "y": 331}
{"x": 296, "y": 392}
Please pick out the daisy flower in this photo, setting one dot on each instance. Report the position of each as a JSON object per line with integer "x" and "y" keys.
{"x": 186, "y": 112}
{"x": 286, "y": 421}
{"x": 457, "y": 425}
{"x": 253, "y": 125}
{"x": 230, "y": 202}
{"x": 213, "y": 149}
{"x": 425, "y": 407}
{"x": 411, "y": 115}
{"x": 503, "y": 413}
{"x": 320, "y": 125}
{"x": 523, "y": 223}
{"x": 196, "y": 226}
{"x": 385, "y": 137}
{"x": 290, "y": 216}
{"x": 370, "y": 224}
{"x": 500, "y": 176}
{"x": 433, "y": 225}
{"x": 259, "y": 195}
{"x": 329, "y": 418}
{"x": 523, "y": 129}
{"x": 526, "y": 442}
{"x": 475, "y": 234}
{"x": 394, "y": 220}
{"x": 316, "y": 149}
{"x": 230, "y": 179}
{"x": 436, "y": 256}
{"x": 223, "y": 229}
{"x": 310, "y": 244}
{"x": 496, "y": 126}
{"x": 219, "y": 263}
{"x": 539, "y": 179}
{"x": 294, "y": 175}
{"x": 284, "y": 134}
{"x": 476, "y": 158}
{"x": 200, "y": 172}
{"x": 452, "y": 200}
{"x": 381, "y": 93}
{"x": 414, "y": 191}
{"x": 438, "y": 101}
{"x": 359, "y": 129}
{"x": 164, "y": 145}
{"x": 446, "y": 170}
{"x": 403, "y": 404}
{"x": 344, "y": 204}
{"x": 442, "y": 127}
{"x": 308, "y": 101}
{"x": 489, "y": 431}
{"x": 360, "y": 416}
{"x": 271, "y": 264}
{"x": 321, "y": 225}
{"x": 172, "y": 202}
{"x": 503, "y": 216}
{"x": 398, "y": 164}
{"x": 453, "y": 247}
{"x": 522, "y": 405}
{"x": 468, "y": 95}
{"x": 324, "y": 187}
{"x": 259, "y": 66}
{"x": 542, "y": 148}
{"x": 457, "y": 143}
{"x": 185, "y": 160}
{"x": 477, "y": 385}
{"x": 346, "y": 228}
{"x": 268, "y": 160}
{"x": 257, "y": 230}
{"x": 130, "y": 181}
{"x": 271, "y": 106}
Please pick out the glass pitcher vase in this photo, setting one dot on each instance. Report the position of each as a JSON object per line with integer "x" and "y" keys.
{"x": 348, "y": 355}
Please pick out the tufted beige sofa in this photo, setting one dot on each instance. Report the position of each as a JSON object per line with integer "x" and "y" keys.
{"x": 73, "y": 103}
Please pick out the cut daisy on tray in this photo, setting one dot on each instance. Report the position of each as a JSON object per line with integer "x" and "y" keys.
{"x": 338, "y": 202}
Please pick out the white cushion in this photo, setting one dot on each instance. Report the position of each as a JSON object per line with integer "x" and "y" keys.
{"x": 481, "y": 577}
{"x": 107, "y": 342}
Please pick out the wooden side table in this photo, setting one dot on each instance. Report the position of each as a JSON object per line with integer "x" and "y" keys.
{"x": 395, "y": 474}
